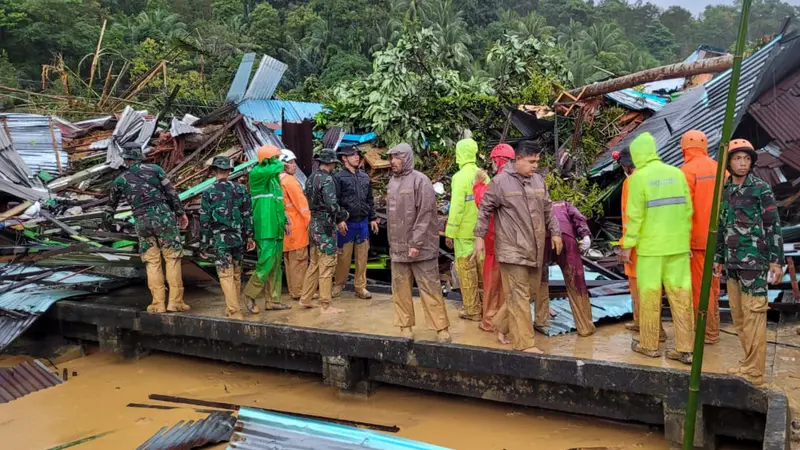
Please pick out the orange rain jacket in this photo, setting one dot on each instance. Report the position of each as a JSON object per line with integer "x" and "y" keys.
{"x": 630, "y": 269}
{"x": 296, "y": 207}
{"x": 700, "y": 172}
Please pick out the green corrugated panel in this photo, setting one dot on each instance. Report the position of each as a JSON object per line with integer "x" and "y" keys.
{"x": 123, "y": 244}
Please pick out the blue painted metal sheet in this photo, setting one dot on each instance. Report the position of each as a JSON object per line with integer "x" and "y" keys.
{"x": 610, "y": 306}
{"x": 269, "y": 74}
{"x": 638, "y": 101}
{"x": 259, "y": 429}
{"x": 269, "y": 111}
{"x": 239, "y": 85}
{"x": 33, "y": 140}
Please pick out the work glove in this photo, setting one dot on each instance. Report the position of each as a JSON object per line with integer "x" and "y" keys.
{"x": 586, "y": 242}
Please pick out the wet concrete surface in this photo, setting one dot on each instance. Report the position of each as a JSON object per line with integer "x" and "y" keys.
{"x": 95, "y": 402}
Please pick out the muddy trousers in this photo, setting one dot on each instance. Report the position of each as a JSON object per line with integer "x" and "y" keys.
{"x": 267, "y": 277}
{"x": 749, "y": 313}
{"x": 426, "y": 274}
{"x": 492, "y": 291}
{"x": 635, "y": 298}
{"x": 296, "y": 262}
{"x": 155, "y": 278}
{"x": 319, "y": 277}
{"x": 468, "y": 273}
{"x": 230, "y": 280}
{"x": 698, "y": 259}
{"x": 343, "y": 260}
{"x": 673, "y": 272}
{"x": 575, "y": 281}
{"x": 520, "y": 283}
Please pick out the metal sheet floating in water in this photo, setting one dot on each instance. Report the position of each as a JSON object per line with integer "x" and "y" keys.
{"x": 215, "y": 428}
{"x": 25, "y": 378}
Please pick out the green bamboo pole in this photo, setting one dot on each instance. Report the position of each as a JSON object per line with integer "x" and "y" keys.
{"x": 711, "y": 244}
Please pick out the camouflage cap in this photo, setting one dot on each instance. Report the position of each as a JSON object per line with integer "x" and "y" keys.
{"x": 326, "y": 156}
{"x": 222, "y": 162}
{"x": 133, "y": 153}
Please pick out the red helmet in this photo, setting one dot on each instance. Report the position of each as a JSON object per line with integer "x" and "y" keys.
{"x": 502, "y": 151}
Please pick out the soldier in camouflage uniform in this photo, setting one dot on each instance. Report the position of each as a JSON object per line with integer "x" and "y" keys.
{"x": 156, "y": 206}
{"x": 226, "y": 225}
{"x": 750, "y": 249}
{"x": 326, "y": 217}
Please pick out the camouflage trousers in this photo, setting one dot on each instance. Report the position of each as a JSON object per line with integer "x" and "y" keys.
{"x": 157, "y": 226}
{"x": 753, "y": 282}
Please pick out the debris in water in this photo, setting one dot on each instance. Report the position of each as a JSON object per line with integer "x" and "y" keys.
{"x": 215, "y": 428}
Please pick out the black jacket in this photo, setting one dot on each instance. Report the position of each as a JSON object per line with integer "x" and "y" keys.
{"x": 354, "y": 192}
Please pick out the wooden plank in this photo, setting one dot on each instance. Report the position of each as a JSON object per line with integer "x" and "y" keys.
{"x": 205, "y": 145}
{"x": 19, "y": 209}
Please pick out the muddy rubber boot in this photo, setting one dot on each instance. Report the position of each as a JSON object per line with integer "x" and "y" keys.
{"x": 443, "y": 337}
{"x": 360, "y": 279}
{"x": 636, "y": 347}
{"x": 406, "y": 332}
{"x": 235, "y": 316}
{"x": 336, "y": 291}
{"x": 734, "y": 371}
{"x": 172, "y": 263}
{"x": 755, "y": 381}
{"x": 158, "y": 305}
{"x": 272, "y": 306}
{"x": 684, "y": 357}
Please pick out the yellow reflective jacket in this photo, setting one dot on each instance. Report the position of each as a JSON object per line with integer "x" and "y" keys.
{"x": 659, "y": 206}
{"x": 463, "y": 212}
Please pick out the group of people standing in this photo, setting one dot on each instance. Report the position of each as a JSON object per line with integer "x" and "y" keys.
{"x": 505, "y": 232}
{"x": 666, "y": 215}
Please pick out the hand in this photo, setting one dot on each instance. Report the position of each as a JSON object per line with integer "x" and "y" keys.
{"x": 717, "y": 269}
{"x": 287, "y": 230}
{"x": 586, "y": 242}
{"x": 480, "y": 176}
{"x": 449, "y": 243}
{"x": 251, "y": 245}
{"x": 374, "y": 226}
{"x": 557, "y": 244}
{"x": 342, "y": 228}
{"x": 625, "y": 256}
{"x": 413, "y": 252}
{"x": 478, "y": 249}
{"x": 775, "y": 273}
{"x": 183, "y": 222}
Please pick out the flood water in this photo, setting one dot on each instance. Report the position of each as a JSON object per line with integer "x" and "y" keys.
{"x": 95, "y": 401}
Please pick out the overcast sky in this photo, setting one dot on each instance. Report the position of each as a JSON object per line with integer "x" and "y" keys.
{"x": 697, "y": 6}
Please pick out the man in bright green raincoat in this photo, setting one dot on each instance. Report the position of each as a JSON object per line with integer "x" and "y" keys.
{"x": 269, "y": 223}
{"x": 659, "y": 226}
{"x": 460, "y": 226}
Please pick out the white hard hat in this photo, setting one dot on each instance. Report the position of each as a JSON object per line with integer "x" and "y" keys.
{"x": 287, "y": 155}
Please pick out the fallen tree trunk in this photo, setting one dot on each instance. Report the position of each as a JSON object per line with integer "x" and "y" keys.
{"x": 680, "y": 70}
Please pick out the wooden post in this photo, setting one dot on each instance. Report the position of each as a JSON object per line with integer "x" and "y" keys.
{"x": 55, "y": 148}
{"x": 106, "y": 85}
{"x": 97, "y": 55}
{"x": 793, "y": 278}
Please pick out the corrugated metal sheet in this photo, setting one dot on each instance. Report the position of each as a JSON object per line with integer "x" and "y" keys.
{"x": 703, "y": 108}
{"x": 638, "y": 101}
{"x": 269, "y": 74}
{"x": 33, "y": 140}
{"x": 215, "y": 428}
{"x": 253, "y": 135}
{"x": 259, "y": 429}
{"x": 25, "y": 378}
{"x": 11, "y": 328}
{"x": 133, "y": 126}
{"x": 609, "y": 306}
{"x": 778, "y": 111}
{"x": 179, "y": 128}
{"x": 271, "y": 111}
{"x": 239, "y": 85}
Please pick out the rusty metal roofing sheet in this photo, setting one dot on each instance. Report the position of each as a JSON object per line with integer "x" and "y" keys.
{"x": 703, "y": 107}
{"x": 259, "y": 429}
{"x": 269, "y": 74}
{"x": 215, "y": 428}
{"x": 25, "y": 378}
{"x": 32, "y": 136}
{"x": 778, "y": 110}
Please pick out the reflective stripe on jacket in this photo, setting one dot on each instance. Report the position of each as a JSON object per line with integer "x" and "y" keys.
{"x": 701, "y": 174}
{"x": 659, "y": 207}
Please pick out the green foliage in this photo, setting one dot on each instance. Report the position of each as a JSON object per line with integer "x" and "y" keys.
{"x": 8, "y": 77}
{"x": 579, "y": 191}
{"x": 660, "y": 41}
{"x": 265, "y": 28}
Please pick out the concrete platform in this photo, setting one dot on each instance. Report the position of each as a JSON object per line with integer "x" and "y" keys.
{"x": 597, "y": 376}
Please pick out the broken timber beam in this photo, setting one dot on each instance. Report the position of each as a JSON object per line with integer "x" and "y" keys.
{"x": 680, "y": 70}
{"x": 216, "y": 136}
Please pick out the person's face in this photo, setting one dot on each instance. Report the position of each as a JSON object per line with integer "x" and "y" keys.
{"x": 354, "y": 160}
{"x": 527, "y": 165}
{"x": 740, "y": 164}
{"x": 290, "y": 167}
{"x": 397, "y": 164}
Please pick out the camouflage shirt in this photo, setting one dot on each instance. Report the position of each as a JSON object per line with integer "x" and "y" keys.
{"x": 155, "y": 204}
{"x": 226, "y": 222}
{"x": 749, "y": 226}
{"x": 325, "y": 211}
